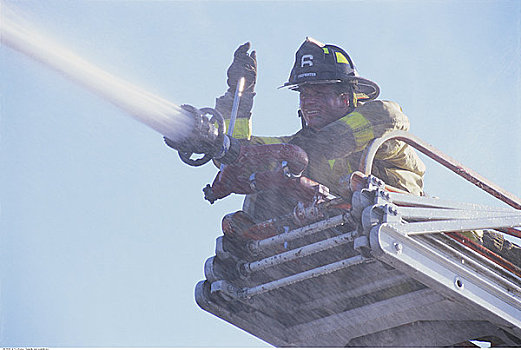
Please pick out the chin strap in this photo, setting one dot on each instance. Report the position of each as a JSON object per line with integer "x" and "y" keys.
{"x": 302, "y": 121}
{"x": 353, "y": 101}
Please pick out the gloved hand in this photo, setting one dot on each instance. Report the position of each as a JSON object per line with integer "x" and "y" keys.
{"x": 243, "y": 65}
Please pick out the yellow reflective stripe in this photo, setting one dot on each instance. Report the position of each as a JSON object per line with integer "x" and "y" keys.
{"x": 326, "y": 50}
{"x": 361, "y": 127}
{"x": 333, "y": 161}
{"x": 341, "y": 58}
{"x": 267, "y": 140}
{"x": 242, "y": 129}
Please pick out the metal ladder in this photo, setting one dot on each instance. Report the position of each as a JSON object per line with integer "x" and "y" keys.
{"x": 393, "y": 270}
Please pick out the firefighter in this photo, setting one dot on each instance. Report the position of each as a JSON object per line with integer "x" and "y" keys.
{"x": 340, "y": 117}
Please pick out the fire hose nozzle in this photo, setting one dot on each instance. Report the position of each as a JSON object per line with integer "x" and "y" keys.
{"x": 207, "y": 137}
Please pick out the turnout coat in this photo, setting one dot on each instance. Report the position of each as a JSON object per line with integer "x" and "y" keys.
{"x": 334, "y": 151}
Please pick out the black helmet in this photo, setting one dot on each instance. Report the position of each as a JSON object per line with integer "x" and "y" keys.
{"x": 316, "y": 63}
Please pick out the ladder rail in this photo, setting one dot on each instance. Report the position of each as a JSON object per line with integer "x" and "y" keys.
{"x": 366, "y": 164}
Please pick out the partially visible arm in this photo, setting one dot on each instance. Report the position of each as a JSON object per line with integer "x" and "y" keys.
{"x": 244, "y": 64}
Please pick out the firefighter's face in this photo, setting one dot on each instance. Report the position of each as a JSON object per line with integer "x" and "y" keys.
{"x": 322, "y": 104}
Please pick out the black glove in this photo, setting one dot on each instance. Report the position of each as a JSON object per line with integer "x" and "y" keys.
{"x": 243, "y": 65}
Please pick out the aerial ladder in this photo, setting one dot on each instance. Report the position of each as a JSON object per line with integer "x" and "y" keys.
{"x": 385, "y": 269}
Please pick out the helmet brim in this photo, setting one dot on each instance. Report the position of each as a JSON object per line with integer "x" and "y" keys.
{"x": 295, "y": 87}
{"x": 365, "y": 89}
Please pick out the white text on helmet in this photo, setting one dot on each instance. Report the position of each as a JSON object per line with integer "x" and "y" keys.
{"x": 307, "y": 75}
{"x": 306, "y": 60}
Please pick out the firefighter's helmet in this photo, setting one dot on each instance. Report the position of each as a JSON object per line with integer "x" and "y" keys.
{"x": 317, "y": 63}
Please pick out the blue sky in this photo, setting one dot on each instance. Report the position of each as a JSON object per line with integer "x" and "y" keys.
{"x": 104, "y": 231}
